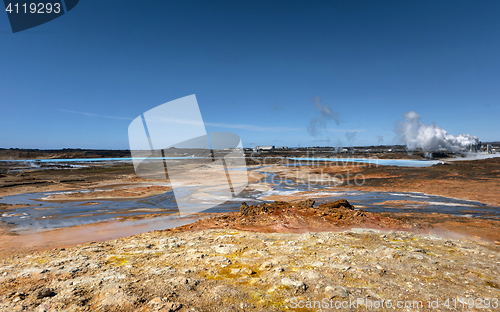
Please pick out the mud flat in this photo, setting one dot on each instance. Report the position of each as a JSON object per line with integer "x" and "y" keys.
{"x": 477, "y": 180}
{"x": 13, "y": 243}
{"x": 265, "y": 257}
{"x": 93, "y": 176}
{"x": 118, "y": 192}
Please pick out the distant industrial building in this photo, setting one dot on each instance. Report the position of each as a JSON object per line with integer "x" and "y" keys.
{"x": 264, "y": 148}
{"x": 473, "y": 148}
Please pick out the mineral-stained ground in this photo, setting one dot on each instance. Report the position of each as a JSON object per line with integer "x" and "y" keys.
{"x": 288, "y": 255}
{"x": 226, "y": 269}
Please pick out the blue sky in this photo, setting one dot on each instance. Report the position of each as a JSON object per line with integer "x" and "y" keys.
{"x": 255, "y": 67}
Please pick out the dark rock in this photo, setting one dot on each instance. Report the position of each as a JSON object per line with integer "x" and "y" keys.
{"x": 247, "y": 210}
{"x": 306, "y": 203}
{"x": 44, "y": 292}
{"x": 341, "y": 203}
{"x": 244, "y": 208}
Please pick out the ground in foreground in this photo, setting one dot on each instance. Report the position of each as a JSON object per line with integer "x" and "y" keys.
{"x": 230, "y": 270}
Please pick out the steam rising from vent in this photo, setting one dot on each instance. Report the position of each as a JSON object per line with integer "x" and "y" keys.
{"x": 351, "y": 136}
{"x": 317, "y": 124}
{"x": 380, "y": 139}
{"x": 431, "y": 138}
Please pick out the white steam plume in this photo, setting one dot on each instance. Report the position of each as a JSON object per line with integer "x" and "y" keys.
{"x": 430, "y": 138}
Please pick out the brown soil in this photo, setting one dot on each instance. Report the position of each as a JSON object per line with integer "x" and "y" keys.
{"x": 398, "y": 203}
{"x": 132, "y": 192}
{"x": 453, "y": 226}
{"x": 280, "y": 216}
{"x": 231, "y": 270}
{"x": 477, "y": 180}
{"x": 25, "y": 243}
{"x": 10, "y": 206}
{"x": 65, "y": 180}
{"x": 300, "y": 217}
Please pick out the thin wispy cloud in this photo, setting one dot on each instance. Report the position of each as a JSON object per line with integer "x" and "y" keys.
{"x": 344, "y": 130}
{"x": 212, "y": 124}
{"x": 274, "y": 129}
{"x": 252, "y": 127}
{"x": 321, "y": 141}
{"x": 95, "y": 115}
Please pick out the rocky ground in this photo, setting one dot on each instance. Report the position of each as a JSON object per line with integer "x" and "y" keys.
{"x": 301, "y": 216}
{"x": 228, "y": 270}
{"x": 270, "y": 257}
{"x": 306, "y": 216}
{"x": 185, "y": 269}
